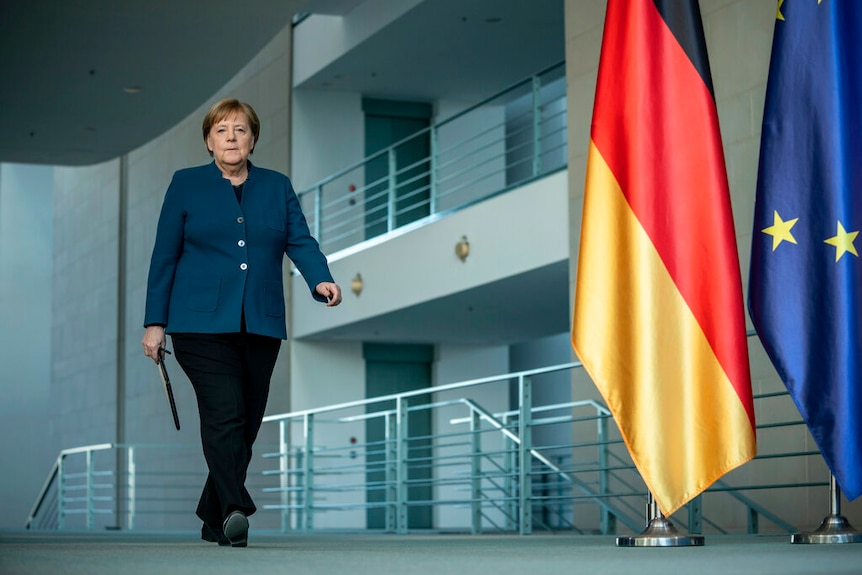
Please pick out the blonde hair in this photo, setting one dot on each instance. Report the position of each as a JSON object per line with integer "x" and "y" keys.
{"x": 227, "y": 107}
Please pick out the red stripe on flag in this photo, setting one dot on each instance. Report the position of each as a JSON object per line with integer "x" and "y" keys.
{"x": 657, "y": 128}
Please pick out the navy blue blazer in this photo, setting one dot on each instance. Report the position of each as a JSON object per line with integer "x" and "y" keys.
{"x": 214, "y": 257}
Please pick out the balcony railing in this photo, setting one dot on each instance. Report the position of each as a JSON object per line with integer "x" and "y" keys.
{"x": 502, "y": 142}
{"x": 485, "y": 470}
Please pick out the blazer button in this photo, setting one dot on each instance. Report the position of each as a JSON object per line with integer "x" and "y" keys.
{"x": 240, "y": 220}
{"x": 241, "y": 243}
{"x": 243, "y": 266}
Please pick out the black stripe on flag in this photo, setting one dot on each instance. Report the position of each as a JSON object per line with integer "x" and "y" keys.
{"x": 683, "y": 19}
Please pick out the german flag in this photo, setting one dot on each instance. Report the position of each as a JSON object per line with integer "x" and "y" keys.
{"x": 659, "y": 319}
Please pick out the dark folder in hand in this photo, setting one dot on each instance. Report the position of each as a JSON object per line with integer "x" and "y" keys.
{"x": 168, "y": 391}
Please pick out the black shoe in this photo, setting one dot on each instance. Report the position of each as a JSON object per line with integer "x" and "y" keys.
{"x": 236, "y": 528}
{"x": 213, "y": 535}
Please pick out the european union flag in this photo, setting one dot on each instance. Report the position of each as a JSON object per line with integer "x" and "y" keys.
{"x": 805, "y": 287}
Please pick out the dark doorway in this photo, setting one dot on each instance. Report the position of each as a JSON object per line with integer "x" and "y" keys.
{"x": 388, "y": 122}
{"x": 391, "y": 369}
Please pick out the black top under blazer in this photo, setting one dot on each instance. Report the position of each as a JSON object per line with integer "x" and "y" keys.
{"x": 215, "y": 257}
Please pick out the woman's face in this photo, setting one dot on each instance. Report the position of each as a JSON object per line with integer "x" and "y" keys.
{"x": 231, "y": 141}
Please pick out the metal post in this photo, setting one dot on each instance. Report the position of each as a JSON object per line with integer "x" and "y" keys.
{"x": 834, "y": 528}
{"x": 537, "y": 126}
{"x": 392, "y": 207}
{"x": 391, "y": 472}
{"x": 90, "y": 489}
{"x": 525, "y": 478}
{"x": 131, "y": 483}
{"x": 608, "y": 521}
{"x": 475, "y": 473}
{"x": 561, "y": 510}
{"x": 433, "y": 170}
{"x": 659, "y": 532}
{"x": 695, "y": 515}
{"x": 308, "y": 473}
{"x": 511, "y": 504}
{"x": 61, "y": 489}
{"x": 284, "y": 475}
{"x": 318, "y": 212}
{"x": 300, "y": 492}
{"x": 402, "y": 469}
{"x": 753, "y": 520}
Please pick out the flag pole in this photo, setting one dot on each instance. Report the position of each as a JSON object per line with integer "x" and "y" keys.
{"x": 659, "y": 532}
{"x": 834, "y": 528}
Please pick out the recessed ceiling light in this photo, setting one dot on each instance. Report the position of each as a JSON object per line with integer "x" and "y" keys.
{"x": 133, "y": 89}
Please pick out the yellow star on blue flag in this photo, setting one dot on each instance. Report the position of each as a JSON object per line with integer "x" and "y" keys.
{"x": 780, "y": 230}
{"x": 843, "y": 242}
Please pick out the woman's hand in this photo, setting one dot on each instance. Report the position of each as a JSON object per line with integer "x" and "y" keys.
{"x": 154, "y": 340}
{"x": 330, "y": 291}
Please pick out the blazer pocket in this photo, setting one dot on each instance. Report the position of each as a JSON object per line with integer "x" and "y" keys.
{"x": 203, "y": 296}
{"x": 273, "y": 298}
{"x": 276, "y": 220}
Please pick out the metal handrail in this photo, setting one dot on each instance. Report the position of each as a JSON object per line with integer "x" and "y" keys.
{"x": 419, "y": 392}
{"x": 403, "y": 195}
{"x": 601, "y": 410}
{"x": 602, "y": 414}
{"x": 56, "y": 472}
{"x": 490, "y": 418}
{"x": 66, "y": 488}
{"x": 311, "y": 477}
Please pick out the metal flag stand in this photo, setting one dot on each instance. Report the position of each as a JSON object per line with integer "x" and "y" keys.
{"x": 659, "y": 532}
{"x": 835, "y": 528}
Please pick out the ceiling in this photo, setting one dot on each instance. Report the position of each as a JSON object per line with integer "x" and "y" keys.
{"x": 452, "y": 49}
{"x": 69, "y": 66}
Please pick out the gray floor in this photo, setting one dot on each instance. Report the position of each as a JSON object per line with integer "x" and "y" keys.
{"x": 34, "y": 553}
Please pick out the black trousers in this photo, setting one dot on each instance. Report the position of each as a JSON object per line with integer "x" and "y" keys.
{"x": 230, "y": 374}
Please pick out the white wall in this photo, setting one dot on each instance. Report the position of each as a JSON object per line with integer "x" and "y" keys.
{"x": 495, "y": 253}
{"x": 329, "y": 130}
{"x": 330, "y": 127}
{"x": 26, "y": 215}
{"x": 85, "y": 304}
